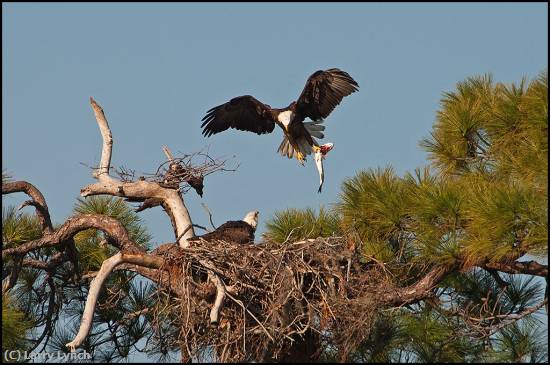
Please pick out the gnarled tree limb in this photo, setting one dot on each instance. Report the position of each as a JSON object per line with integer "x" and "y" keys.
{"x": 37, "y": 201}
{"x": 72, "y": 226}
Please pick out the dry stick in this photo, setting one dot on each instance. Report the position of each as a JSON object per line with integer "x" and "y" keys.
{"x": 168, "y": 153}
{"x": 244, "y": 329}
{"x": 514, "y": 318}
{"x": 226, "y": 342}
{"x": 252, "y": 315}
{"x": 188, "y": 228}
{"x": 348, "y": 269}
{"x": 209, "y": 215}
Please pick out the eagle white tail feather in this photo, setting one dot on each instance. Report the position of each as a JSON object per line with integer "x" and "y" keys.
{"x": 314, "y": 128}
{"x": 317, "y": 134}
{"x": 286, "y": 149}
{"x": 283, "y": 148}
{"x": 318, "y": 121}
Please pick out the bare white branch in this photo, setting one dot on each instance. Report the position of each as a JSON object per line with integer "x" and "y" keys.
{"x": 172, "y": 199}
{"x": 220, "y": 296}
{"x": 168, "y": 153}
{"x": 97, "y": 283}
{"x": 95, "y": 286}
{"x": 102, "y": 173}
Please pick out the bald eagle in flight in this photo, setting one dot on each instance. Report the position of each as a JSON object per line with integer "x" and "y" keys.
{"x": 240, "y": 232}
{"x": 323, "y": 91}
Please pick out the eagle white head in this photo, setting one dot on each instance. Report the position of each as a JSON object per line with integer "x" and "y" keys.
{"x": 252, "y": 218}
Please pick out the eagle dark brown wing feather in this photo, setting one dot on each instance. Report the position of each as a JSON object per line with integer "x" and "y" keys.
{"x": 245, "y": 113}
{"x": 238, "y": 232}
{"x": 323, "y": 91}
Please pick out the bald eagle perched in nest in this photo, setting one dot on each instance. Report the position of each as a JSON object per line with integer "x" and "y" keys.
{"x": 239, "y": 232}
{"x": 323, "y": 91}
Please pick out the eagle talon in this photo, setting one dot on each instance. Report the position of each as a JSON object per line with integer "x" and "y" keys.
{"x": 300, "y": 157}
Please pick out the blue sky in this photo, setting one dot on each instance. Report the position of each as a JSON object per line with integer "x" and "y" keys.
{"x": 157, "y": 68}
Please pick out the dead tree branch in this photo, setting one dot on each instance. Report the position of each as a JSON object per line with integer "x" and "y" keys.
{"x": 141, "y": 190}
{"x": 97, "y": 283}
{"x": 37, "y": 201}
{"x": 113, "y": 228}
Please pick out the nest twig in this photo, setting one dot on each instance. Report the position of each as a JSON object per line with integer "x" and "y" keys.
{"x": 181, "y": 172}
{"x": 255, "y": 302}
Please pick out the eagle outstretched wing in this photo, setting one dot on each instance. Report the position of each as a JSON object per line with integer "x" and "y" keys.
{"x": 323, "y": 91}
{"x": 245, "y": 113}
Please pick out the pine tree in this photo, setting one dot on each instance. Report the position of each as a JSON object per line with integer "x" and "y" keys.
{"x": 481, "y": 203}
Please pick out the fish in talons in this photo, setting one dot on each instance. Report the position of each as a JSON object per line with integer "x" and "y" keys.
{"x": 320, "y": 153}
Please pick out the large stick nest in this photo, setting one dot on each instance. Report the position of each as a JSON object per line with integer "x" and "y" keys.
{"x": 277, "y": 296}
